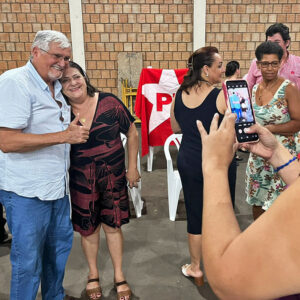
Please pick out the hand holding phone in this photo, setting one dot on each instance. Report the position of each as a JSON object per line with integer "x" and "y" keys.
{"x": 238, "y": 99}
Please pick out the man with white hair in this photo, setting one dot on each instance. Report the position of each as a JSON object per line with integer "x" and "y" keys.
{"x": 35, "y": 137}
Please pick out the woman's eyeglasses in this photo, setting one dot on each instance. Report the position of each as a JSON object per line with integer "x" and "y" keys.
{"x": 266, "y": 64}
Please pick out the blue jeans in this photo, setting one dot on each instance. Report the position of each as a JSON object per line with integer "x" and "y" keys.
{"x": 42, "y": 239}
{"x": 238, "y": 112}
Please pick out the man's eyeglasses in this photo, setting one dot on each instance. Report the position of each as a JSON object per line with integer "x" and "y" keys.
{"x": 266, "y": 64}
{"x": 57, "y": 56}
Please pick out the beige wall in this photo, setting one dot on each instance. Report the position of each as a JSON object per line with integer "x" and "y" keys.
{"x": 160, "y": 29}
{"x": 237, "y": 27}
{"x": 20, "y": 20}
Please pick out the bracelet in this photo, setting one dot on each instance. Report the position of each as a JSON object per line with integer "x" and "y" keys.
{"x": 284, "y": 165}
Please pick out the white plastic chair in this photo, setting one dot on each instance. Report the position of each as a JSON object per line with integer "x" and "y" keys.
{"x": 174, "y": 181}
{"x": 150, "y": 159}
{"x": 135, "y": 193}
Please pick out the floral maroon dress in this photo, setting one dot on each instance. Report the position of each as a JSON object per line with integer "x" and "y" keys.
{"x": 98, "y": 184}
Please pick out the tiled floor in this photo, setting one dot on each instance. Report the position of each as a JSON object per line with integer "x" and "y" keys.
{"x": 154, "y": 247}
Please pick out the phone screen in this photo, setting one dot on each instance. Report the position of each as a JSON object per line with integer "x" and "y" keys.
{"x": 238, "y": 98}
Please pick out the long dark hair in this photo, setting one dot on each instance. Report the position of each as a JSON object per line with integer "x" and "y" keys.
{"x": 91, "y": 90}
{"x": 200, "y": 58}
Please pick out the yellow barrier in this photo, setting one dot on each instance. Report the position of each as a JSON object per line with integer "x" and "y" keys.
{"x": 128, "y": 98}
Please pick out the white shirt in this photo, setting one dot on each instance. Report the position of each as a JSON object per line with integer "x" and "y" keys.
{"x": 26, "y": 103}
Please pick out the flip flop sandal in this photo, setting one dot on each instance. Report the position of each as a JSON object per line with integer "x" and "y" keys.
{"x": 122, "y": 295}
{"x": 94, "y": 293}
{"x": 199, "y": 281}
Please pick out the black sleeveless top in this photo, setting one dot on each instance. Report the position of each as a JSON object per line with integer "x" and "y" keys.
{"x": 191, "y": 145}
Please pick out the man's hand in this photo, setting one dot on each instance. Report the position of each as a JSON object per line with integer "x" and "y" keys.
{"x": 76, "y": 134}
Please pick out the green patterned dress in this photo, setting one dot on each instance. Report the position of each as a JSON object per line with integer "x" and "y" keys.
{"x": 263, "y": 186}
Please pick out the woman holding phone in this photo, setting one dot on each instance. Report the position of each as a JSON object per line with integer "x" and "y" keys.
{"x": 276, "y": 103}
{"x": 197, "y": 99}
{"x": 262, "y": 262}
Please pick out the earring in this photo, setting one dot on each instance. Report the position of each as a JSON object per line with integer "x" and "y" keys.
{"x": 206, "y": 74}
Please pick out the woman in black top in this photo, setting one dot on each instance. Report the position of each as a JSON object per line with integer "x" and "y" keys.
{"x": 197, "y": 99}
{"x": 98, "y": 176}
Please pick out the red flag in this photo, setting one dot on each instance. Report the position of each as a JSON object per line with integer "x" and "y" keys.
{"x": 153, "y": 102}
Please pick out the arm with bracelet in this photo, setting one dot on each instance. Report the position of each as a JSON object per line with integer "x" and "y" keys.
{"x": 262, "y": 262}
{"x": 280, "y": 158}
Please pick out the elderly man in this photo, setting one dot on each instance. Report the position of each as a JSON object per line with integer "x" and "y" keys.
{"x": 35, "y": 133}
{"x": 278, "y": 33}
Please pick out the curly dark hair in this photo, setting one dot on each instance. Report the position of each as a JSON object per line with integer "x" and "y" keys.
{"x": 200, "y": 58}
{"x": 280, "y": 28}
{"x": 268, "y": 47}
{"x": 231, "y": 68}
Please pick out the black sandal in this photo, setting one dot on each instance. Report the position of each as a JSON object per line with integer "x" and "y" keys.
{"x": 94, "y": 293}
{"x": 122, "y": 295}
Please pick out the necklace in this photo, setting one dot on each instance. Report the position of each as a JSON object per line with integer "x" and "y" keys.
{"x": 83, "y": 113}
{"x": 265, "y": 90}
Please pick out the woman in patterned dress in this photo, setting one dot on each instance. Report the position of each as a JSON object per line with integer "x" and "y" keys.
{"x": 98, "y": 177}
{"x": 276, "y": 103}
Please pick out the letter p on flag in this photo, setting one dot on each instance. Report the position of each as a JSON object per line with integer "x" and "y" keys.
{"x": 162, "y": 99}
{"x": 153, "y": 102}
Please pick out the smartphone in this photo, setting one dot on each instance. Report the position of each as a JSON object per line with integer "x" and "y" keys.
{"x": 238, "y": 99}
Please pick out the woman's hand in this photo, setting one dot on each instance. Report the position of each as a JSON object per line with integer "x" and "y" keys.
{"x": 269, "y": 148}
{"x": 270, "y": 127}
{"x": 133, "y": 177}
{"x": 218, "y": 147}
{"x": 267, "y": 142}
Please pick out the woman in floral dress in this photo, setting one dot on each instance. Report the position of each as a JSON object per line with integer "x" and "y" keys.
{"x": 276, "y": 103}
